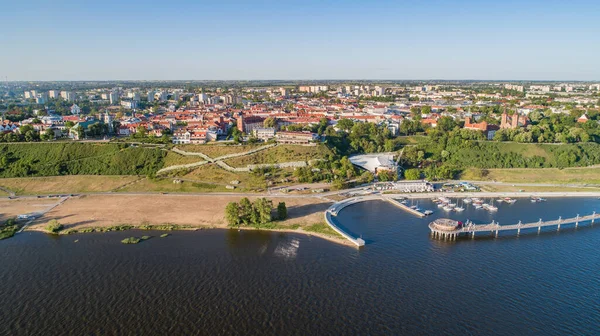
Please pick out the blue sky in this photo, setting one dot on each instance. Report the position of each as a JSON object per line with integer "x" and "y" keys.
{"x": 95, "y": 40}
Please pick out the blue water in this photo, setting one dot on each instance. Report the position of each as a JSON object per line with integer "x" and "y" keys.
{"x": 228, "y": 282}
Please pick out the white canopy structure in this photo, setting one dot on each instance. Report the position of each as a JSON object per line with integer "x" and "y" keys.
{"x": 374, "y": 162}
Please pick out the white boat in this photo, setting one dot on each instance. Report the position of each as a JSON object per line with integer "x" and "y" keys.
{"x": 509, "y": 200}
{"x": 459, "y": 209}
{"x": 404, "y": 202}
{"x": 492, "y": 208}
{"x": 447, "y": 208}
{"x": 428, "y": 212}
{"x": 478, "y": 206}
{"x": 440, "y": 205}
{"x": 467, "y": 200}
{"x": 499, "y": 200}
{"x": 452, "y": 205}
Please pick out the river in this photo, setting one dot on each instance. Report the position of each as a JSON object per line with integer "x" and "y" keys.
{"x": 228, "y": 282}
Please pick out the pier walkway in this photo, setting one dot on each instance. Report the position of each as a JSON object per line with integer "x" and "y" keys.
{"x": 470, "y": 229}
{"x": 404, "y": 207}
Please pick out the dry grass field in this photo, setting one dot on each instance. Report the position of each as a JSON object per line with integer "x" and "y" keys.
{"x": 64, "y": 184}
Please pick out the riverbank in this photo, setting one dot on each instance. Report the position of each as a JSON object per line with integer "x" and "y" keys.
{"x": 299, "y": 230}
{"x": 101, "y": 213}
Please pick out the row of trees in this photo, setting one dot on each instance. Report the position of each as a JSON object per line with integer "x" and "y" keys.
{"x": 257, "y": 213}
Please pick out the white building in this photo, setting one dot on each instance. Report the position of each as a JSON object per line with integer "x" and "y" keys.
{"x": 413, "y": 186}
{"x": 75, "y": 109}
{"x": 68, "y": 95}
{"x": 54, "y": 94}
{"x": 264, "y": 133}
{"x": 113, "y": 97}
{"x": 129, "y": 104}
{"x": 150, "y": 96}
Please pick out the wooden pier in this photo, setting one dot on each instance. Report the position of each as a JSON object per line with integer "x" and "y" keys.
{"x": 443, "y": 229}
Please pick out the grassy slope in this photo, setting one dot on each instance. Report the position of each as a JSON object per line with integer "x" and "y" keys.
{"x": 173, "y": 159}
{"x": 167, "y": 185}
{"x": 215, "y": 151}
{"x": 64, "y": 184}
{"x": 279, "y": 154}
{"x": 585, "y": 175}
{"x": 51, "y": 159}
{"x": 213, "y": 173}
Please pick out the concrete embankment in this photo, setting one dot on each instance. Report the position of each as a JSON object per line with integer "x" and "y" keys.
{"x": 356, "y": 241}
{"x": 335, "y": 209}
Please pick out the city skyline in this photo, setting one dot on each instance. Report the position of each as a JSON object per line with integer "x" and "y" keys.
{"x": 307, "y": 40}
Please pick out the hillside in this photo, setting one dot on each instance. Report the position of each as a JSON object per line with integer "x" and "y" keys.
{"x": 518, "y": 155}
{"x": 51, "y": 159}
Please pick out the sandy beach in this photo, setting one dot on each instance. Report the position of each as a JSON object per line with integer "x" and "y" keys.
{"x": 186, "y": 210}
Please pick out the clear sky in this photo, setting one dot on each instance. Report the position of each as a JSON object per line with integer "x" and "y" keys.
{"x": 309, "y": 39}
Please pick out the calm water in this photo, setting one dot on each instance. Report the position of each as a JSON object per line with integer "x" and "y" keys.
{"x": 229, "y": 282}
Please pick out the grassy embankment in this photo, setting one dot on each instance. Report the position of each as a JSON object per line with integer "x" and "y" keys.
{"x": 586, "y": 175}
{"x": 280, "y": 154}
{"x": 215, "y": 151}
{"x": 173, "y": 159}
{"x": 493, "y": 155}
{"x": 55, "y": 159}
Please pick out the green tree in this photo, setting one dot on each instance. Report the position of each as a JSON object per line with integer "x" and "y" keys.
{"x": 345, "y": 124}
{"x": 262, "y": 207}
{"x": 48, "y": 134}
{"x": 281, "y": 211}
{"x": 446, "y": 124}
{"x": 232, "y": 214}
{"x": 269, "y": 122}
{"x": 412, "y": 174}
{"x": 246, "y": 210}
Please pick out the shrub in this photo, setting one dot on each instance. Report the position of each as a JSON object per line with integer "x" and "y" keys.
{"x": 54, "y": 226}
{"x": 130, "y": 240}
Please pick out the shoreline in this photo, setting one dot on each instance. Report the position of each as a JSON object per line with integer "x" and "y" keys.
{"x": 339, "y": 240}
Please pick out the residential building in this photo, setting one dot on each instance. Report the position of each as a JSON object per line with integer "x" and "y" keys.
{"x": 113, "y": 97}
{"x": 129, "y": 104}
{"x": 75, "y": 109}
{"x": 296, "y": 137}
{"x": 54, "y": 94}
{"x": 264, "y": 133}
{"x": 68, "y": 95}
